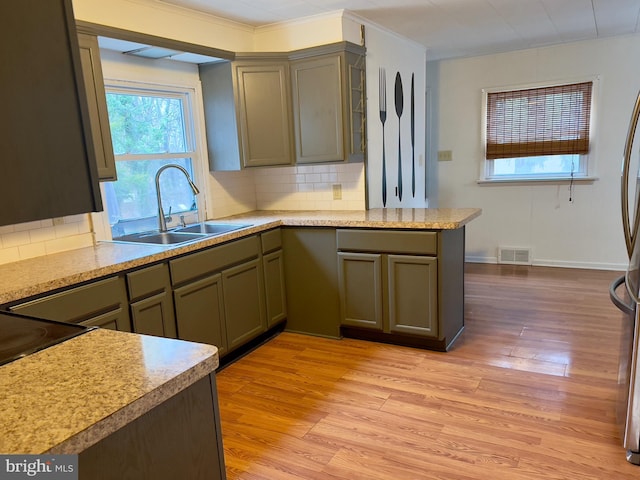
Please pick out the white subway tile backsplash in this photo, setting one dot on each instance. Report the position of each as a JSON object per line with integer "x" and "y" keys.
{"x": 8, "y": 255}
{"x": 34, "y": 239}
{"x": 313, "y": 187}
{"x": 23, "y": 227}
{"x": 305, "y": 187}
{"x": 68, "y": 243}
{"x": 42, "y": 234}
{"x": 32, "y": 250}
{"x": 313, "y": 178}
{"x": 15, "y": 239}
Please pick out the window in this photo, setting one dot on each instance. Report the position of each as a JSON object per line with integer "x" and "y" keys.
{"x": 150, "y": 127}
{"x": 540, "y": 133}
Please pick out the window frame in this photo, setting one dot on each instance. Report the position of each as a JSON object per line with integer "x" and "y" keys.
{"x": 190, "y": 97}
{"x": 585, "y": 170}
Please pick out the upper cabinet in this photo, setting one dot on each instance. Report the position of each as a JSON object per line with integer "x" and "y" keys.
{"x": 49, "y": 162}
{"x": 328, "y": 103}
{"x": 97, "y": 104}
{"x": 247, "y": 100}
{"x": 304, "y": 107}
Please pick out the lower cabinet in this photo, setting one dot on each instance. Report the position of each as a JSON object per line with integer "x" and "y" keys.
{"x": 412, "y": 288}
{"x": 180, "y": 438}
{"x": 243, "y": 297}
{"x": 200, "y": 312}
{"x": 401, "y": 297}
{"x": 360, "y": 287}
{"x": 274, "y": 284}
{"x": 151, "y": 301}
{"x": 219, "y": 294}
{"x": 402, "y": 286}
{"x": 224, "y": 295}
{"x": 102, "y": 303}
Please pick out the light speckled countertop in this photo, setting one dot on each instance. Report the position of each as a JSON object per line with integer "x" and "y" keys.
{"x": 31, "y": 277}
{"x": 67, "y": 397}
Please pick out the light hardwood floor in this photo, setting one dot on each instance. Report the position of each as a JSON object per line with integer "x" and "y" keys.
{"x": 528, "y": 392}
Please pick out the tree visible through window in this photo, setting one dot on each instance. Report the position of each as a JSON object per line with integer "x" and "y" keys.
{"x": 149, "y": 128}
{"x": 538, "y": 133}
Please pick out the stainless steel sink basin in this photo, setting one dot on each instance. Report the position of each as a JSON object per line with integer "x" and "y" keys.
{"x": 176, "y": 236}
{"x": 210, "y": 228}
{"x": 161, "y": 238}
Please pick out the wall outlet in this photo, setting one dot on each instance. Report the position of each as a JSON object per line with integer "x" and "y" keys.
{"x": 445, "y": 155}
{"x": 337, "y": 191}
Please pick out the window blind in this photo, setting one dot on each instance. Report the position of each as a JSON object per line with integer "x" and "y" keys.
{"x": 539, "y": 121}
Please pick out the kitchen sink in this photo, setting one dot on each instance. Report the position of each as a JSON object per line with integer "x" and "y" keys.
{"x": 210, "y": 228}
{"x": 161, "y": 238}
{"x": 176, "y": 236}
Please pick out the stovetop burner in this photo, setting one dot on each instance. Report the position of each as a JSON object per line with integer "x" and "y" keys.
{"x": 21, "y": 335}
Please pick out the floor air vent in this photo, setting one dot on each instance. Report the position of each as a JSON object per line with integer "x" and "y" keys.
{"x": 514, "y": 256}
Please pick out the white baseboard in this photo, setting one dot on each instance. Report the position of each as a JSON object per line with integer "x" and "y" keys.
{"x": 556, "y": 263}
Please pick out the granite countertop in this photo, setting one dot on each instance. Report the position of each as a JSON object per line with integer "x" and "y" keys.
{"x": 65, "y": 398}
{"x": 26, "y": 278}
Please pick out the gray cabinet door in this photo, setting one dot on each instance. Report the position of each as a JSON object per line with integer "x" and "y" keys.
{"x": 149, "y": 316}
{"x": 151, "y": 301}
{"x": 87, "y": 304}
{"x": 264, "y": 116}
{"x": 243, "y": 291}
{"x": 97, "y": 103}
{"x": 275, "y": 290}
{"x": 413, "y": 294}
{"x": 109, "y": 320}
{"x": 48, "y": 166}
{"x": 200, "y": 312}
{"x": 360, "y": 286}
{"x": 328, "y": 100}
{"x": 318, "y": 109}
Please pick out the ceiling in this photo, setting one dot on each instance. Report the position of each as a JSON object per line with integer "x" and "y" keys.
{"x": 452, "y": 28}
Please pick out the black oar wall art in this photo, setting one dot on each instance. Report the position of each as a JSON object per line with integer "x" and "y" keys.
{"x": 399, "y": 101}
{"x": 382, "y": 100}
{"x": 413, "y": 139}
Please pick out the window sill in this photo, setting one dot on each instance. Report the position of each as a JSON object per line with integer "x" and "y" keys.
{"x": 524, "y": 180}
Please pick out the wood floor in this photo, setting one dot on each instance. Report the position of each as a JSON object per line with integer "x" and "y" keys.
{"x": 528, "y": 392}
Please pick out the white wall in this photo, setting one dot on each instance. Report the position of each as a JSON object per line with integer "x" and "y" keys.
{"x": 583, "y": 233}
{"x": 395, "y": 54}
{"x": 164, "y": 20}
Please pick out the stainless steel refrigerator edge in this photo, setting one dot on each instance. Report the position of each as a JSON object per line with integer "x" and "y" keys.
{"x": 628, "y": 303}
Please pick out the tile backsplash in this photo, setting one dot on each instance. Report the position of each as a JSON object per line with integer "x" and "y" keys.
{"x": 309, "y": 187}
{"x": 44, "y": 237}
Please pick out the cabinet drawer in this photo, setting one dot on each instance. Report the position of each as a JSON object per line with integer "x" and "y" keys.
{"x": 214, "y": 259}
{"x": 147, "y": 281}
{"x": 271, "y": 240}
{"x": 388, "y": 241}
{"x": 77, "y": 304}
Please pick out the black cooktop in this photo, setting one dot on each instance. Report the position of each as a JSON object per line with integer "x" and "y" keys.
{"x": 21, "y": 335}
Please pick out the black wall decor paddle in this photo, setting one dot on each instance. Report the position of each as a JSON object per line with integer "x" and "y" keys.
{"x": 413, "y": 139}
{"x": 382, "y": 101}
{"x": 399, "y": 101}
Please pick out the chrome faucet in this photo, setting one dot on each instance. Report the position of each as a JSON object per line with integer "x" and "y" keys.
{"x": 162, "y": 222}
